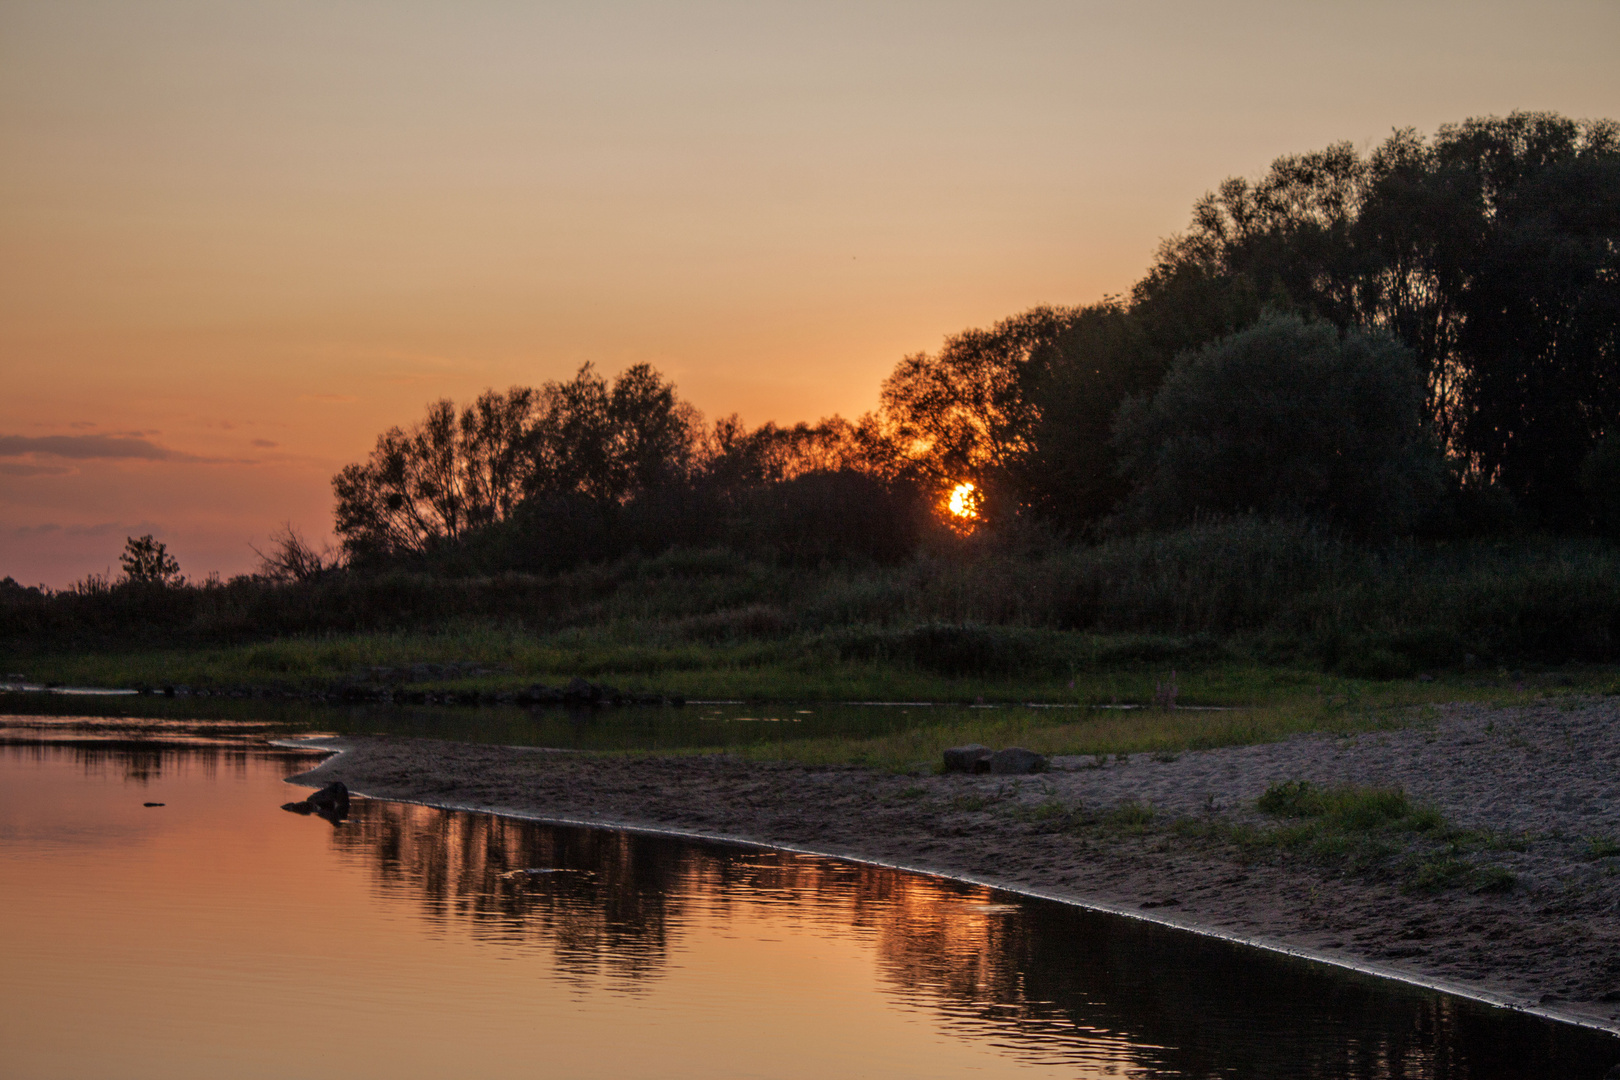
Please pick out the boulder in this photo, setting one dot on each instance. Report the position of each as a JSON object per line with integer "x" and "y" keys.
{"x": 333, "y": 799}
{"x": 971, "y": 758}
{"x": 1016, "y": 761}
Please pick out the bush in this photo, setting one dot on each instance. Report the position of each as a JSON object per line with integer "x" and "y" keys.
{"x": 1286, "y": 418}
{"x": 1600, "y": 484}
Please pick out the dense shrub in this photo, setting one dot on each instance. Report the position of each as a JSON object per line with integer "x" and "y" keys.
{"x": 1286, "y": 418}
{"x": 1600, "y": 484}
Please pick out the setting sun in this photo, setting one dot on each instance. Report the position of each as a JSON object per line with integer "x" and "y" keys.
{"x": 964, "y": 502}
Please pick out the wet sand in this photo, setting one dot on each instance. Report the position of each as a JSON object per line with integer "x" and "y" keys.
{"x": 1546, "y": 777}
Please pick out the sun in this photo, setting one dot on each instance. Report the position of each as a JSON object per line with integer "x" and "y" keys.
{"x": 964, "y": 503}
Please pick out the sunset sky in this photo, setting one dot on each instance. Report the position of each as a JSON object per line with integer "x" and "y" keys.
{"x": 240, "y": 239}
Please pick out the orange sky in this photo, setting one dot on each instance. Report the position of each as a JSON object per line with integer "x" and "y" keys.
{"x": 238, "y": 240}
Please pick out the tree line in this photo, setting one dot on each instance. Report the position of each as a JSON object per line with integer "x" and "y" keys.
{"x": 1420, "y": 339}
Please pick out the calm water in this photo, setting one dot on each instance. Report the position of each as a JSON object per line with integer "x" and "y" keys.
{"x": 696, "y": 725}
{"x": 220, "y": 936}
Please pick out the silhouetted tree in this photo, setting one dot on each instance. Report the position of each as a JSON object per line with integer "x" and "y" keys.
{"x": 292, "y": 558}
{"x": 1113, "y": 350}
{"x": 1492, "y": 251}
{"x": 440, "y": 478}
{"x": 736, "y": 457}
{"x": 454, "y": 473}
{"x": 607, "y": 442}
{"x": 147, "y": 562}
{"x": 969, "y": 412}
{"x": 1284, "y": 418}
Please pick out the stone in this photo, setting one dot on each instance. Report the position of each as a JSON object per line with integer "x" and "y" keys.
{"x": 331, "y": 803}
{"x": 332, "y": 799}
{"x": 1016, "y": 761}
{"x": 972, "y": 758}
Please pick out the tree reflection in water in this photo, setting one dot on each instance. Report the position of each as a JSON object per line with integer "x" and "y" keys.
{"x": 1094, "y": 994}
{"x": 139, "y": 762}
{"x": 1037, "y": 974}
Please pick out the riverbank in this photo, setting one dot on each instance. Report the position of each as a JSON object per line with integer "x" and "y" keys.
{"x": 1525, "y": 913}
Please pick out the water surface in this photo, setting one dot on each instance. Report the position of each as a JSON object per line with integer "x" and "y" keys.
{"x": 699, "y": 724}
{"x": 220, "y": 936}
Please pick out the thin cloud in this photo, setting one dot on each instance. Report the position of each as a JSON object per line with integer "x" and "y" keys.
{"x": 99, "y": 529}
{"x": 103, "y": 448}
{"x": 329, "y": 399}
{"x": 265, "y": 444}
{"x": 87, "y": 447}
{"x": 15, "y": 469}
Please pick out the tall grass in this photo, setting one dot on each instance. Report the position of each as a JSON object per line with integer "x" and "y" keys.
{"x": 1273, "y": 591}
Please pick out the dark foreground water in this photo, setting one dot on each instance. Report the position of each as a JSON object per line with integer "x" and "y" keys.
{"x": 218, "y": 936}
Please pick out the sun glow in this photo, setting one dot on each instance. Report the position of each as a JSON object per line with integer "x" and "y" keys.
{"x": 964, "y": 503}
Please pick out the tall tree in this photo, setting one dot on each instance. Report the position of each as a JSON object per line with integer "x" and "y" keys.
{"x": 1286, "y": 417}
{"x": 1492, "y": 251}
{"x": 434, "y": 481}
{"x": 455, "y": 472}
{"x": 969, "y": 412}
{"x": 147, "y": 562}
{"x": 609, "y": 441}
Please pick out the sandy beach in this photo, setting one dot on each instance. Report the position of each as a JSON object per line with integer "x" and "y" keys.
{"x": 1541, "y": 779}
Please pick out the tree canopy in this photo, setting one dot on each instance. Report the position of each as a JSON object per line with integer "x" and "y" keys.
{"x": 1311, "y": 345}
{"x": 455, "y": 472}
{"x": 146, "y": 561}
{"x": 1491, "y": 250}
{"x": 1284, "y": 418}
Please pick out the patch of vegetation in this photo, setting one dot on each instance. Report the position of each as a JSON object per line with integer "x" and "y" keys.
{"x": 1049, "y": 812}
{"x": 1602, "y": 847}
{"x": 1378, "y": 830}
{"x": 1491, "y": 879}
{"x": 1346, "y": 807}
{"x": 973, "y": 801}
{"x": 1131, "y": 814}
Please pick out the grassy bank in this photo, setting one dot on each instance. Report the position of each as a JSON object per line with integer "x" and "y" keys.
{"x": 1288, "y": 627}
{"x": 1267, "y": 592}
{"x": 1108, "y": 706}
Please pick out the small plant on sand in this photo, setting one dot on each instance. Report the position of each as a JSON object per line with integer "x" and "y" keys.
{"x": 1052, "y": 813}
{"x": 1447, "y": 872}
{"x": 1602, "y": 847}
{"x": 1435, "y": 875}
{"x": 1491, "y": 879}
{"x": 1132, "y": 815}
{"x": 1347, "y": 807}
{"x": 1362, "y": 828}
{"x": 977, "y": 800}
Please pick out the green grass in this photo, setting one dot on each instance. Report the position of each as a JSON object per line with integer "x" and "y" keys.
{"x": 1264, "y": 591}
{"x": 1131, "y": 815}
{"x": 1288, "y": 628}
{"x": 797, "y": 667}
{"x": 1370, "y": 829}
{"x": 1602, "y": 847}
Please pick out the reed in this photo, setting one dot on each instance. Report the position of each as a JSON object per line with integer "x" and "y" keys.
{"x": 1242, "y": 592}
